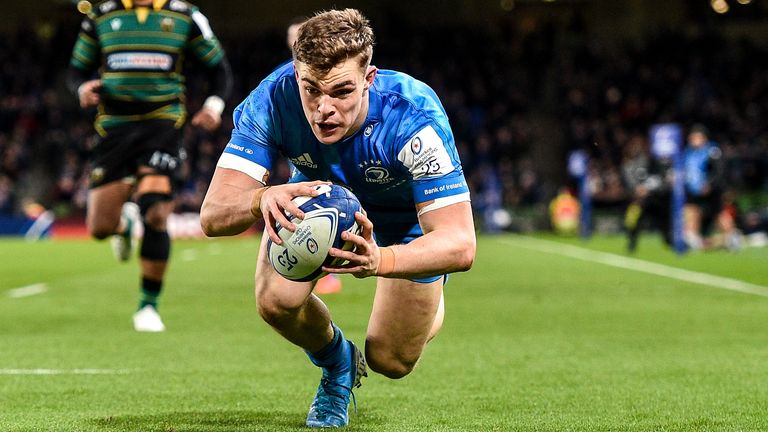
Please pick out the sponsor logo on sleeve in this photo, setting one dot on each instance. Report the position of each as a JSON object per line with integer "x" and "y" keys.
{"x": 416, "y": 145}
{"x": 425, "y": 155}
{"x": 240, "y": 148}
{"x": 445, "y": 188}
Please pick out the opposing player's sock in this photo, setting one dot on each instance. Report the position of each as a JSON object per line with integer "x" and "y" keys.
{"x": 150, "y": 291}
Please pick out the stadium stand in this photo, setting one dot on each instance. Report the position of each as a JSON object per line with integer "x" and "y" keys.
{"x": 519, "y": 96}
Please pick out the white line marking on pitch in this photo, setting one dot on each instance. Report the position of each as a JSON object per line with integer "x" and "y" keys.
{"x": 63, "y": 371}
{"x": 638, "y": 265}
{"x": 28, "y": 290}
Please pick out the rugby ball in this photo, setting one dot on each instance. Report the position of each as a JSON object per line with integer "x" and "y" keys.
{"x": 305, "y": 251}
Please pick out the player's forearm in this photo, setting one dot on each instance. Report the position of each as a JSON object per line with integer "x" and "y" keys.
{"x": 220, "y": 79}
{"x": 435, "y": 253}
{"x": 226, "y": 213}
{"x": 75, "y": 78}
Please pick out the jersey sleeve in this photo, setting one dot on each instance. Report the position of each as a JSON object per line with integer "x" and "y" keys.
{"x": 202, "y": 42}
{"x": 251, "y": 148}
{"x": 434, "y": 166}
{"x": 87, "y": 52}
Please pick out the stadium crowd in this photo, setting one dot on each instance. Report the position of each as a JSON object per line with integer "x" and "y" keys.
{"x": 610, "y": 98}
{"x": 495, "y": 82}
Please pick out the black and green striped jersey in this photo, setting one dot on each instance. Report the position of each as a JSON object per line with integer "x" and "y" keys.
{"x": 139, "y": 52}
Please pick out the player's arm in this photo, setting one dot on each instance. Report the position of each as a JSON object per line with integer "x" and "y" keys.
{"x": 235, "y": 201}
{"x": 228, "y": 205}
{"x": 207, "y": 50}
{"x": 82, "y": 65}
{"x": 447, "y": 246}
{"x": 445, "y": 215}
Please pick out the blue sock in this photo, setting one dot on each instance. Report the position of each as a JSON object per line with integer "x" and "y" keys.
{"x": 331, "y": 354}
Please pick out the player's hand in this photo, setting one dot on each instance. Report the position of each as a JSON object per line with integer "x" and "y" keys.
{"x": 88, "y": 93}
{"x": 207, "y": 119}
{"x": 365, "y": 257}
{"x": 277, "y": 201}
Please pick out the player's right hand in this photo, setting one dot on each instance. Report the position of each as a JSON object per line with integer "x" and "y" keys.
{"x": 278, "y": 200}
{"x": 88, "y": 93}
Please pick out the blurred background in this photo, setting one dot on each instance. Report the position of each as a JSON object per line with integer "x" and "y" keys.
{"x": 525, "y": 83}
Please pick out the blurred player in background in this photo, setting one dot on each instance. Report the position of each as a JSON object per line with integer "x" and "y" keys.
{"x": 650, "y": 182}
{"x": 330, "y": 283}
{"x": 138, "y": 48}
{"x": 387, "y": 137}
{"x": 705, "y": 210}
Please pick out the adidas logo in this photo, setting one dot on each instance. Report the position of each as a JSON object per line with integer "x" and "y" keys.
{"x": 304, "y": 160}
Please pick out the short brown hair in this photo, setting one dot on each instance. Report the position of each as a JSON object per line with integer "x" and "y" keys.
{"x": 331, "y": 37}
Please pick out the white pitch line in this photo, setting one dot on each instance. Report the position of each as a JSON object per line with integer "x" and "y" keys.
{"x": 62, "y": 371}
{"x": 638, "y": 265}
{"x": 28, "y": 290}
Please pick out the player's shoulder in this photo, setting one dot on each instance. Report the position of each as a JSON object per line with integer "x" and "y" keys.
{"x": 281, "y": 73}
{"x": 106, "y": 7}
{"x": 181, "y": 7}
{"x": 278, "y": 81}
{"x": 399, "y": 86}
{"x": 271, "y": 90}
{"x": 405, "y": 97}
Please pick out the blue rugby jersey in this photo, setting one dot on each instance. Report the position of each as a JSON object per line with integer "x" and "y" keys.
{"x": 697, "y": 167}
{"x": 403, "y": 154}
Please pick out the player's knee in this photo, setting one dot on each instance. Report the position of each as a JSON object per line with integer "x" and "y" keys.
{"x": 390, "y": 367}
{"x": 273, "y": 311}
{"x": 389, "y": 363}
{"x": 100, "y": 232}
{"x": 154, "y": 208}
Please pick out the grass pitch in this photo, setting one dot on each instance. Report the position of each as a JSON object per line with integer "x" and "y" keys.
{"x": 534, "y": 340}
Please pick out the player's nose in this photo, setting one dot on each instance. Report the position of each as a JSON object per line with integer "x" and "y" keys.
{"x": 325, "y": 107}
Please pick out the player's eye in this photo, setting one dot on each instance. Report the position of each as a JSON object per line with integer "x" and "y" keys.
{"x": 342, "y": 93}
{"x": 312, "y": 91}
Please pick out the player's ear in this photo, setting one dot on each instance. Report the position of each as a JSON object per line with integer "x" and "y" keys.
{"x": 370, "y": 75}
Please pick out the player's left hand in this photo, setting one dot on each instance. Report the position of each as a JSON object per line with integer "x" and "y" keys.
{"x": 207, "y": 119}
{"x": 363, "y": 259}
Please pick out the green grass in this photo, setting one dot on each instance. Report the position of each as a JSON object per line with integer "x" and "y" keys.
{"x": 532, "y": 341}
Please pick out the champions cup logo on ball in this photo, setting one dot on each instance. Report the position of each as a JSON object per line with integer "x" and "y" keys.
{"x": 305, "y": 251}
{"x": 312, "y": 245}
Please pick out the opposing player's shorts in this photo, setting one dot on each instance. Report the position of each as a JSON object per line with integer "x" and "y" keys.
{"x": 152, "y": 143}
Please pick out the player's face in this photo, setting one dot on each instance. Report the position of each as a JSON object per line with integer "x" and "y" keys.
{"x": 697, "y": 139}
{"x": 335, "y": 104}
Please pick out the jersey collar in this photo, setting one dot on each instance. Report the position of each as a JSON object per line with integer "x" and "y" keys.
{"x": 374, "y": 105}
{"x": 156, "y": 4}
